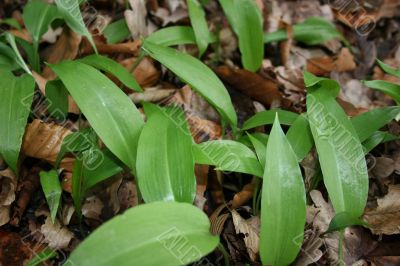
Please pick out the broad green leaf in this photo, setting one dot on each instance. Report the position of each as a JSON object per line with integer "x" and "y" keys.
{"x": 8, "y": 58}
{"x": 16, "y": 95}
{"x": 205, "y": 82}
{"x": 227, "y": 155}
{"x": 300, "y": 137}
{"x": 159, "y": 233}
{"x": 377, "y": 138}
{"x": 165, "y": 164}
{"x": 37, "y": 16}
{"x": 109, "y": 111}
{"x": 388, "y": 69}
{"x": 250, "y": 33}
{"x": 41, "y": 257}
{"x": 267, "y": 118}
{"x": 110, "y": 66}
{"x": 282, "y": 227}
{"x": 260, "y": 148}
{"x": 31, "y": 53}
{"x": 340, "y": 152}
{"x": 313, "y": 31}
{"x": 174, "y": 35}
{"x": 343, "y": 220}
{"x": 116, "y": 31}
{"x": 369, "y": 122}
{"x": 52, "y": 190}
{"x": 199, "y": 24}
{"x": 57, "y": 99}
{"x": 262, "y": 137}
{"x": 229, "y": 9}
{"x": 69, "y": 9}
{"x": 18, "y": 58}
{"x": 12, "y": 22}
{"x": 391, "y": 89}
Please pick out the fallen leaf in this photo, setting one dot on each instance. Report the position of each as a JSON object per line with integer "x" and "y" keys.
{"x": 136, "y": 18}
{"x": 384, "y": 167}
{"x": 152, "y": 94}
{"x": 146, "y": 74}
{"x": 342, "y": 62}
{"x": 92, "y": 208}
{"x": 56, "y": 235}
{"x": 8, "y": 185}
{"x": 128, "y": 195}
{"x": 243, "y": 196}
{"x": 385, "y": 219}
{"x": 43, "y": 141}
{"x": 250, "y": 229}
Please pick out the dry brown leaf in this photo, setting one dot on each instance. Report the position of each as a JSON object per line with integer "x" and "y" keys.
{"x": 8, "y": 185}
{"x": 243, "y": 196}
{"x": 136, "y": 18}
{"x": 56, "y": 235}
{"x": 146, "y": 74}
{"x": 342, "y": 62}
{"x": 385, "y": 219}
{"x": 66, "y": 47}
{"x": 201, "y": 172}
{"x": 92, "y": 208}
{"x": 250, "y": 84}
{"x": 43, "y": 141}
{"x": 128, "y": 195}
{"x": 250, "y": 229}
{"x": 384, "y": 167}
{"x": 153, "y": 94}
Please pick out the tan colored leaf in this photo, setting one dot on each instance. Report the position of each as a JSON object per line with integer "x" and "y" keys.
{"x": 153, "y": 94}
{"x": 243, "y": 196}
{"x": 56, "y": 235}
{"x": 343, "y": 62}
{"x": 146, "y": 74}
{"x": 385, "y": 219}
{"x": 92, "y": 208}
{"x": 43, "y": 141}
{"x": 136, "y": 18}
{"x": 250, "y": 229}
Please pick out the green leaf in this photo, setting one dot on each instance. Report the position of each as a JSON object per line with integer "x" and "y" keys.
{"x": 52, "y": 191}
{"x": 31, "y": 53}
{"x": 391, "y": 89}
{"x": 369, "y": 122}
{"x": 18, "y": 58}
{"x": 199, "y": 24}
{"x": 109, "y": 111}
{"x": 16, "y": 95}
{"x": 313, "y": 31}
{"x": 340, "y": 152}
{"x": 300, "y": 137}
{"x": 140, "y": 237}
{"x": 110, "y": 66}
{"x": 377, "y": 138}
{"x": 250, "y": 33}
{"x": 228, "y": 155}
{"x": 388, "y": 69}
{"x": 57, "y": 99}
{"x": 229, "y": 9}
{"x": 116, "y": 31}
{"x": 260, "y": 148}
{"x": 37, "y": 16}
{"x": 205, "y": 82}
{"x": 175, "y": 35}
{"x": 267, "y": 118}
{"x": 262, "y": 137}
{"x": 165, "y": 164}
{"x": 77, "y": 182}
{"x": 69, "y": 9}
{"x": 282, "y": 228}
{"x": 343, "y": 220}
{"x": 12, "y": 22}
{"x": 8, "y": 58}
{"x": 41, "y": 257}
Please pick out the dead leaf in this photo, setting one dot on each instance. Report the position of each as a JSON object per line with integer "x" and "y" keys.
{"x": 8, "y": 185}
{"x": 56, "y": 235}
{"x": 136, "y": 18}
{"x": 146, "y": 74}
{"x": 385, "y": 219}
{"x": 128, "y": 195}
{"x": 250, "y": 84}
{"x": 250, "y": 229}
{"x": 43, "y": 141}
{"x": 16, "y": 250}
{"x": 92, "y": 208}
{"x": 243, "y": 196}
{"x": 152, "y": 94}
{"x": 321, "y": 66}
{"x": 384, "y": 167}
{"x": 201, "y": 172}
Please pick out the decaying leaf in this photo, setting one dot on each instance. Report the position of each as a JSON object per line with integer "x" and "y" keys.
{"x": 8, "y": 185}
{"x": 127, "y": 195}
{"x": 250, "y": 229}
{"x": 385, "y": 219}
{"x": 146, "y": 74}
{"x": 92, "y": 208}
{"x": 243, "y": 196}
{"x": 320, "y": 66}
{"x": 56, "y": 235}
{"x": 136, "y": 18}
{"x": 43, "y": 141}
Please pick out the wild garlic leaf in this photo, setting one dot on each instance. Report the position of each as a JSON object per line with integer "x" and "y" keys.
{"x": 391, "y": 89}
{"x": 260, "y": 148}
{"x": 282, "y": 187}
{"x": 300, "y": 137}
{"x": 52, "y": 191}
{"x": 165, "y": 164}
{"x": 18, "y": 57}
{"x": 199, "y": 24}
{"x": 111, "y": 113}
{"x": 70, "y": 11}
{"x": 377, "y": 138}
{"x": 388, "y": 69}
{"x": 110, "y": 66}
{"x": 16, "y": 95}
{"x": 205, "y": 82}
{"x": 227, "y": 155}
{"x": 57, "y": 99}
{"x": 174, "y": 35}
{"x": 267, "y": 118}
{"x": 42, "y": 257}
{"x": 116, "y": 31}
{"x": 340, "y": 152}
{"x": 140, "y": 237}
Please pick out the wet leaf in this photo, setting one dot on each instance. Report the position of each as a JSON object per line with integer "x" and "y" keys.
{"x": 165, "y": 164}
{"x": 184, "y": 66}
{"x": 16, "y": 95}
{"x": 139, "y": 234}
{"x": 282, "y": 186}
{"x": 52, "y": 191}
